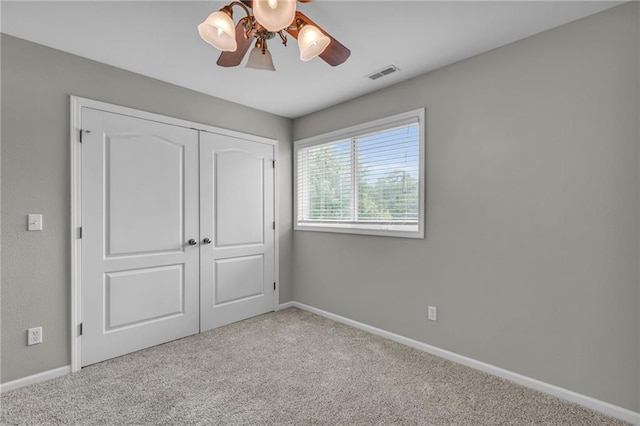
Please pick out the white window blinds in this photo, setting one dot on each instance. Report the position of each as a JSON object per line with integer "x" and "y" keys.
{"x": 370, "y": 178}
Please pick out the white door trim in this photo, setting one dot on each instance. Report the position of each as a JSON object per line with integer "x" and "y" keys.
{"x": 76, "y": 104}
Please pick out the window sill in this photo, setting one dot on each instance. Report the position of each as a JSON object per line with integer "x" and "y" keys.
{"x": 374, "y": 230}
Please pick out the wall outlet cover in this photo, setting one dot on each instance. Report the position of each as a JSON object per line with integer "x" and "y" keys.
{"x": 34, "y": 336}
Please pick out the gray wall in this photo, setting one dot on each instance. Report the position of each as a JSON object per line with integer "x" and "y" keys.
{"x": 533, "y": 199}
{"x": 531, "y": 249}
{"x": 36, "y": 84}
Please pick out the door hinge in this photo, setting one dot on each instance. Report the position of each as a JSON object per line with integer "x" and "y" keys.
{"x": 274, "y": 286}
{"x": 81, "y": 329}
{"x": 274, "y": 226}
{"x": 83, "y": 131}
{"x": 80, "y": 232}
{"x": 274, "y": 164}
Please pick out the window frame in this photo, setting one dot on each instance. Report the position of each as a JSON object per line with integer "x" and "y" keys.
{"x": 417, "y": 115}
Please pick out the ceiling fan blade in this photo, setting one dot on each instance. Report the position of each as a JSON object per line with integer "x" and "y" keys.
{"x": 233, "y": 59}
{"x": 335, "y": 54}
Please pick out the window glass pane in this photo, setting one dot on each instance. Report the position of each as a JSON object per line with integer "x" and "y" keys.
{"x": 388, "y": 175}
{"x": 328, "y": 177}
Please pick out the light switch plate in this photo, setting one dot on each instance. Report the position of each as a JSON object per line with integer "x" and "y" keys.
{"x": 433, "y": 313}
{"x": 34, "y": 222}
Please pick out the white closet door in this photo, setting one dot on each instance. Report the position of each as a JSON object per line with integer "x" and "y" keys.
{"x": 140, "y": 283}
{"x": 237, "y": 215}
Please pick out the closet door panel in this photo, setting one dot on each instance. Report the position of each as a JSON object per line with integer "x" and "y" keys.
{"x": 237, "y": 214}
{"x": 140, "y": 276}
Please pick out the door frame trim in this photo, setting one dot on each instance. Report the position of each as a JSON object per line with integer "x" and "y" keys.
{"x": 76, "y": 105}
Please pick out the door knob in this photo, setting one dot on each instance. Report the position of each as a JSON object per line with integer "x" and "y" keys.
{"x": 193, "y": 242}
{"x": 206, "y": 241}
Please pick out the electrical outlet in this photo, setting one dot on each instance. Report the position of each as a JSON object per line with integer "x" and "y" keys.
{"x": 34, "y": 336}
{"x": 433, "y": 313}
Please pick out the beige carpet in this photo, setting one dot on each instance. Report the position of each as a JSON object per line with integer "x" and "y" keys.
{"x": 290, "y": 367}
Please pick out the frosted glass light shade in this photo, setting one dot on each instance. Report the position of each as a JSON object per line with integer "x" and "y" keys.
{"x": 311, "y": 42}
{"x": 274, "y": 15}
{"x": 218, "y": 30}
{"x": 259, "y": 61}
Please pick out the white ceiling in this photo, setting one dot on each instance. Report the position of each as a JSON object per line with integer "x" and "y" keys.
{"x": 159, "y": 39}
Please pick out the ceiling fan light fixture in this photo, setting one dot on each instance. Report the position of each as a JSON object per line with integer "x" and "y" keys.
{"x": 260, "y": 61}
{"x": 218, "y": 30}
{"x": 311, "y": 42}
{"x": 274, "y": 15}
{"x": 264, "y": 20}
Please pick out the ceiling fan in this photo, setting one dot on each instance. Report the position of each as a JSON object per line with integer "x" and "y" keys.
{"x": 264, "y": 20}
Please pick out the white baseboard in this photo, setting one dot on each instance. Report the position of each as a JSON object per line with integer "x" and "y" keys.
{"x": 568, "y": 395}
{"x": 36, "y": 378}
{"x": 286, "y": 305}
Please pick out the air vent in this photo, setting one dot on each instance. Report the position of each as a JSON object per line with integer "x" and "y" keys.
{"x": 383, "y": 72}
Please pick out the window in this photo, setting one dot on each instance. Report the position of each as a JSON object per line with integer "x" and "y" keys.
{"x": 367, "y": 179}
